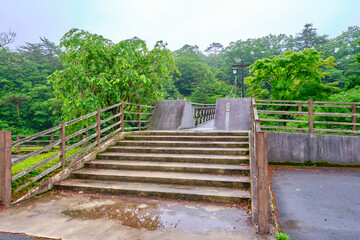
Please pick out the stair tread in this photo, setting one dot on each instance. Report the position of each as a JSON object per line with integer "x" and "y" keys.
{"x": 186, "y": 136}
{"x": 164, "y": 175}
{"x": 190, "y": 142}
{"x": 171, "y": 164}
{"x": 153, "y": 187}
{"x": 162, "y": 155}
{"x": 178, "y": 148}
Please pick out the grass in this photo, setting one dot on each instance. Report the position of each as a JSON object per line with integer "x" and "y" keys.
{"x": 31, "y": 162}
{"x": 26, "y": 150}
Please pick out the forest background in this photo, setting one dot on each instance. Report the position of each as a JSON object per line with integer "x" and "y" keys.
{"x": 30, "y": 94}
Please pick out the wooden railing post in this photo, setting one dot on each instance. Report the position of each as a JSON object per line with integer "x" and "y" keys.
{"x": 52, "y": 140}
{"x": 98, "y": 127}
{"x": 18, "y": 147}
{"x": 353, "y": 106}
{"x": 122, "y": 115}
{"x": 5, "y": 167}
{"x": 300, "y": 109}
{"x": 139, "y": 117}
{"x": 62, "y": 135}
{"x": 263, "y": 182}
{"x": 311, "y": 116}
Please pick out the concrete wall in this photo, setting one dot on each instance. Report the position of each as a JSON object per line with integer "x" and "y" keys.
{"x": 235, "y": 118}
{"x": 301, "y": 147}
{"x": 172, "y": 115}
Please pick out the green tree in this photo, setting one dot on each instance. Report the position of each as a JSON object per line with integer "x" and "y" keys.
{"x": 308, "y": 38}
{"x": 213, "y": 50}
{"x": 16, "y": 100}
{"x": 100, "y": 73}
{"x": 296, "y": 75}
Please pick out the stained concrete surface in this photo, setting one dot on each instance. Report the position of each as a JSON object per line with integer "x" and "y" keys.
{"x": 172, "y": 115}
{"x": 301, "y": 147}
{"x": 235, "y": 118}
{"x": 77, "y": 216}
{"x": 317, "y": 203}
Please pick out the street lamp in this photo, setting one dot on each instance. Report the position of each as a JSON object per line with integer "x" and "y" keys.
{"x": 234, "y": 69}
{"x": 242, "y": 76}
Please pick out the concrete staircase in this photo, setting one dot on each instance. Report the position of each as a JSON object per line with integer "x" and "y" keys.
{"x": 199, "y": 166}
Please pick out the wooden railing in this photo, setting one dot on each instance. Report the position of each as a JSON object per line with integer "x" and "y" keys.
{"x": 260, "y": 193}
{"x": 310, "y": 116}
{"x": 203, "y": 113}
{"x": 76, "y": 137}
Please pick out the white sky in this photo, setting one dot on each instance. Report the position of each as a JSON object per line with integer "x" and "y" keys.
{"x": 176, "y": 22}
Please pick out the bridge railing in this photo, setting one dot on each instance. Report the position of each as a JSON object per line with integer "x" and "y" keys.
{"x": 75, "y": 138}
{"x": 310, "y": 116}
{"x": 203, "y": 112}
{"x": 260, "y": 192}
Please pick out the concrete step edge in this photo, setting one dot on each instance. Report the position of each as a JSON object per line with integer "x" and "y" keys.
{"x": 182, "y": 192}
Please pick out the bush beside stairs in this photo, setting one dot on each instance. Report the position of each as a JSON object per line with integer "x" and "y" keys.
{"x": 185, "y": 165}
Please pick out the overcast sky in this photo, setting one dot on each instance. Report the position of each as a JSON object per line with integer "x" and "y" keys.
{"x": 176, "y": 22}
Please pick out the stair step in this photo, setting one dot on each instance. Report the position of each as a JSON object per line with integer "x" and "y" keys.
{"x": 234, "y": 181}
{"x": 211, "y": 159}
{"x": 170, "y": 167}
{"x": 180, "y": 150}
{"x": 181, "y": 192}
{"x": 187, "y": 138}
{"x": 182, "y": 144}
{"x": 194, "y": 133}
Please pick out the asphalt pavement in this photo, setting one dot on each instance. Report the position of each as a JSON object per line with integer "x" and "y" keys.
{"x": 317, "y": 203}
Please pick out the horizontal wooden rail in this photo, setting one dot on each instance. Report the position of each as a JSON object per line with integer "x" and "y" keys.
{"x": 80, "y": 132}
{"x": 357, "y": 103}
{"x": 277, "y": 104}
{"x": 80, "y": 119}
{"x": 36, "y": 152}
{"x": 284, "y": 128}
{"x": 282, "y": 112}
{"x": 336, "y": 114}
{"x": 16, "y": 143}
{"x": 282, "y": 120}
{"x": 110, "y": 107}
{"x": 318, "y": 114}
{"x": 285, "y": 101}
{"x": 109, "y": 125}
{"x": 110, "y": 118}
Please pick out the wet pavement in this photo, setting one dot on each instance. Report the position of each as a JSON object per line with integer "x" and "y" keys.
{"x": 70, "y": 215}
{"x": 317, "y": 203}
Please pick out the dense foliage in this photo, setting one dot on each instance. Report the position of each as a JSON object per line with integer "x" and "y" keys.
{"x": 27, "y": 102}
{"x": 94, "y": 72}
{"x": 295, "y": 76}
{"x": 100, "y": 73}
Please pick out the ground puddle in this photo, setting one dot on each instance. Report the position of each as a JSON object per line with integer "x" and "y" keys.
{"x": 132, "y": 215}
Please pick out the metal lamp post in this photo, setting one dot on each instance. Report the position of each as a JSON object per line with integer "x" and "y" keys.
{"x": 234, "y": 69}
{"x": 242, "y": 76}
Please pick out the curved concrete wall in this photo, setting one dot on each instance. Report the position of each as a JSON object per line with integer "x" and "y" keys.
{"x": 172, "y": 115}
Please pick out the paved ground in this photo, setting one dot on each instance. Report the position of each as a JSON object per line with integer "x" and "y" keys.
{"x": 205, "y": 127}
{"x": 78, "y": 216}
{"x": 317, "y": 203}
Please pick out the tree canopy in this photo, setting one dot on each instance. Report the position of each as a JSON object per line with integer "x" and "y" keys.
{"x": 296, "y": 75}
{"x": 100, "y": 73}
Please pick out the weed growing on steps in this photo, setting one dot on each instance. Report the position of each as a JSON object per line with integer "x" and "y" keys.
{"x": 282, "y": 236}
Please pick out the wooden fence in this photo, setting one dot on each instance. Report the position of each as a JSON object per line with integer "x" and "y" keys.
{"x": 260, "y": 192}
{"x": 77, "y": 137}
{"x": 310, "y": 116}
